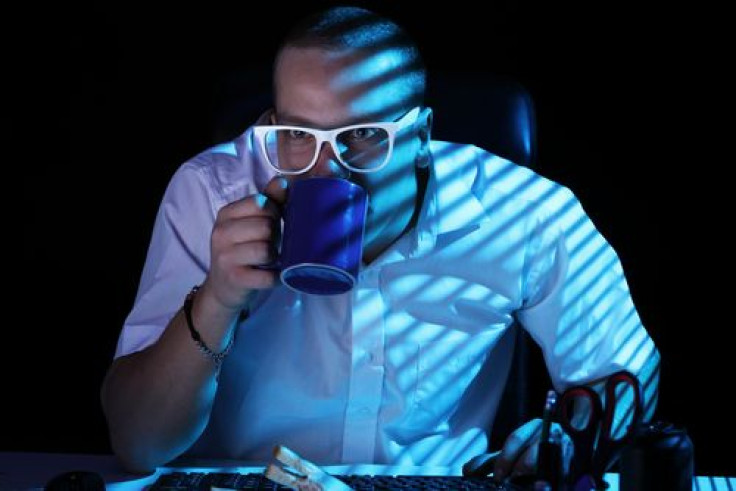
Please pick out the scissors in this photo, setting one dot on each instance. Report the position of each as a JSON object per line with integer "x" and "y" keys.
{"x": 591, "y": 460}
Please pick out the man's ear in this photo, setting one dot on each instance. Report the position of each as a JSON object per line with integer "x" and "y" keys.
{"x": 268, "y": 117}
{"x": 424, "y": 132}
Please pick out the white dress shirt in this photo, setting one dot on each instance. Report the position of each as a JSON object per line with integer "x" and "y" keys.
{"x": 409, "y": 366}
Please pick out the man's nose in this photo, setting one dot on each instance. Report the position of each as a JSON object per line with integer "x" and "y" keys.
{"x": 327, "y": 164}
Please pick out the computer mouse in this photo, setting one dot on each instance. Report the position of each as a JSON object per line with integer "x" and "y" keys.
{"x": 76, "y": 481}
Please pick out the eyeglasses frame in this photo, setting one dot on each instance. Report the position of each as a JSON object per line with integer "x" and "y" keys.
{"x": 330, "y": 136}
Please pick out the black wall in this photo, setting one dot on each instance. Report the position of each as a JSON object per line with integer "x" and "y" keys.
{"x": 107, "y": 102}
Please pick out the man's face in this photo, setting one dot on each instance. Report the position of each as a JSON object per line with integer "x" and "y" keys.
{"x": 325, "y": 89}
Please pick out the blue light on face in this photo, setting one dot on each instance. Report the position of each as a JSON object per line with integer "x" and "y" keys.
{"x": 385, "y": 80}
{"x": 391, "y": 93}
{"x": 372, "y": 70}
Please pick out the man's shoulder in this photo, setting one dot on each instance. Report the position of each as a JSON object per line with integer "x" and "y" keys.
{"x": 223, "y": 158}
{"x": 491, "y": 177}
{"x": 230, "y": 169}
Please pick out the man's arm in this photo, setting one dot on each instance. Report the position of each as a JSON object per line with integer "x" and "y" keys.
{"x": 157, "y": 401}
{"x": 579, "y": 310}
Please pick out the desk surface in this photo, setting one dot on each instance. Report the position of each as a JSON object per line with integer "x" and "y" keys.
{"x": 28, "y": 471}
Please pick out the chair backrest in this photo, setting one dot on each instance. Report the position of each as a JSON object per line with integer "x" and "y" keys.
{"x": 492, "y": 112}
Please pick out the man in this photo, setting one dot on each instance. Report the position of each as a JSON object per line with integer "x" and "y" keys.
{"x": 408, "y": 367}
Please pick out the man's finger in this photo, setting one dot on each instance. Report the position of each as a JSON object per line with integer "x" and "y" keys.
{"x": 250, "y": 206}
{"x": 276, "y": 190}
{"x": 514, "y": 447}
{"x": 527, "y": 462}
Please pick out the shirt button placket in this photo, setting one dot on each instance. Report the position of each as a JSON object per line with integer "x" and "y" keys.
{"x": 366, "y": 377}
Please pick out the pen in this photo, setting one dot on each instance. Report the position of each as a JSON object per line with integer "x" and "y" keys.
{"x": 549, "y": 462}
{"x": 549, "y": 408}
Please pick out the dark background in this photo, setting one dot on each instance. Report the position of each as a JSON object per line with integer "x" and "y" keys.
{"x": 106, "y": 102}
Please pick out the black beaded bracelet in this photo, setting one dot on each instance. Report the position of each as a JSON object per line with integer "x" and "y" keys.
{"x": 218, "y": 358}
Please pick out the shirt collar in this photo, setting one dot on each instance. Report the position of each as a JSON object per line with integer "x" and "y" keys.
{"x": 449, "y": 203}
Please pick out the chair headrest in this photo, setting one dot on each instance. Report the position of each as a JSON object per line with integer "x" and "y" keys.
{"x": 491, "y": 112}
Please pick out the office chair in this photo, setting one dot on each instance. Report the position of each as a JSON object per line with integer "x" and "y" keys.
{"x": 491, "y": 112}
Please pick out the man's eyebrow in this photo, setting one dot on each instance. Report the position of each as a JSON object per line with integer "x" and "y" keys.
{"x": 287, "y": 119}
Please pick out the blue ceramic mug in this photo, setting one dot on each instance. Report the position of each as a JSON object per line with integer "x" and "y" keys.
{"x": 322, "y": 241}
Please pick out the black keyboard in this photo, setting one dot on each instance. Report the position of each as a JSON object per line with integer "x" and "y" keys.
{"x": 184, "y": 481}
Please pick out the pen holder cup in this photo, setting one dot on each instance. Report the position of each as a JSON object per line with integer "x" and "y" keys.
{"x": 659, "y": 457}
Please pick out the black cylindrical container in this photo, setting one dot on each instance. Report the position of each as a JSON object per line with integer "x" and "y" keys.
{"x": 659, "y": 457}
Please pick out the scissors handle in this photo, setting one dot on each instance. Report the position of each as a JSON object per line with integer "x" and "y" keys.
{"x": 583, "y": 437}
{"x": 627, "y": 379}
{"x": 609, "y": 446}
{"x": 596, "y": 445}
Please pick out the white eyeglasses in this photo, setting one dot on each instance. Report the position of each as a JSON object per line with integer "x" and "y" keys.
{"x": 363, "y": 147}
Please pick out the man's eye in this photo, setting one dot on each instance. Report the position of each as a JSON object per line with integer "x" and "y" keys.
{"x": 358, "y": 134}
{"x": 298, "y": 134}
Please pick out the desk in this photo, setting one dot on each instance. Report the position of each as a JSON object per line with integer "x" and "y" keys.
{"x": 30, "y": 471}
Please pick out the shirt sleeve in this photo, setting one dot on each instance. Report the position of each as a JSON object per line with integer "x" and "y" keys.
{"x": 178, "y": 257}
{"x": 578, "y": 306}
